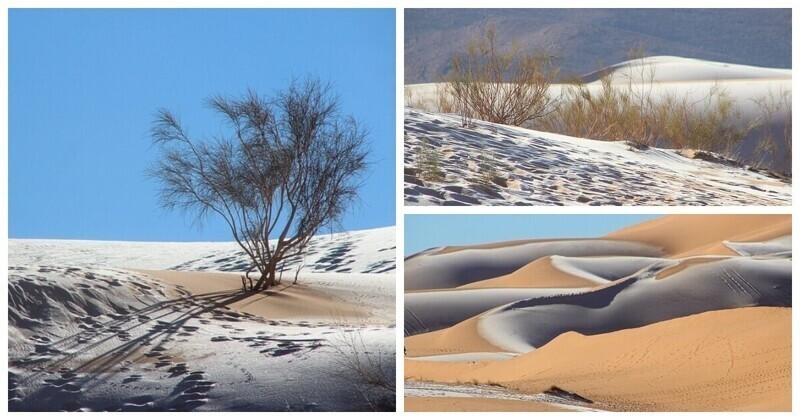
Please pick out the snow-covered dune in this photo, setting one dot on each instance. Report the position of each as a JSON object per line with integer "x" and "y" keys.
{"x": 665, "y": 68}
{"x": 434, "y": 310}
{"x": 99, "y": 326}
{"x": 363, "y": 251}
{"x": 536, "y": 168}
{"x": 541, "y": 168}
{"x": 640, "y": 300}
{"x": 452, "y": 269}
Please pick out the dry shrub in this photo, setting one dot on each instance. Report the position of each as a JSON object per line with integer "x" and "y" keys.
{"x": 444, "y": 101}
{"x": 774, "y": 142}
{"x": 712, "y": 123}
{"x": 612, "y": 114}
{"x": 371, "y": 369}
{"x": 618, "y": 112}
{"x": 628, "y": 111}
{"x": 501, "y": 86}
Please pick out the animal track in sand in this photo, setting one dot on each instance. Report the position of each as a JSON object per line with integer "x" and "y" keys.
{"x": 66, "y": 382}
{"x": 192, "y": 391}
{"x": 274, "y": 345}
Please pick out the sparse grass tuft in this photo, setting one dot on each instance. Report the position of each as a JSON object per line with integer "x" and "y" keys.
{"x": 487, "y": 167}
{"x": 429, "y": 162}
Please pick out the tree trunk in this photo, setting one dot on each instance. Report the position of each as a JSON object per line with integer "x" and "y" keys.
{"x": 267, "y": 279}
{"x": 249, "y": 279}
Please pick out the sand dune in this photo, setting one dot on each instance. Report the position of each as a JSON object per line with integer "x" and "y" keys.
{"x": 457, "y": 268}
{"x": 665, "y": 332}
{"x": 540, "y": 273}
{"x": 637, "y": 301}
{"x": 437, "y": 309}
{"x": 681, "y": 69}
{"x": 559, "y": 271}
{"x": 687, "y": 235}
{"x": 737, "y": 359}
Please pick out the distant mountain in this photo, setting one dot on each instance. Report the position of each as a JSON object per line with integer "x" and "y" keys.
{"x": 588, "y": 38}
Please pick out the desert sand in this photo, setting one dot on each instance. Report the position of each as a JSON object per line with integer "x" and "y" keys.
{"x": 173, "y": 330}
{"x": 682, "y": 331}
{"x": 444, "y": 404}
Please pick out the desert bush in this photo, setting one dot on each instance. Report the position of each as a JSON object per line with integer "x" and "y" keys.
{"x": 371, "y": 369}
{"x": 413, "y": 100}
{"x": 774, "y": 140}
{"x": 625, "y": 109}
{"x": 610, "y": 113}
{"x": 615, "y": 111}
{"x": 441, "y": 101}
{"x": 444, "y": 101}
{"x": 283, "y": 168}
{"x": 429, "y": 162}
{"x": 501, "y": 86}
{"x": 711, "y": 123}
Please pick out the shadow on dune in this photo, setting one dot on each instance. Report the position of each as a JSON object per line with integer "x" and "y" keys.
{"x": 144, "y": 348}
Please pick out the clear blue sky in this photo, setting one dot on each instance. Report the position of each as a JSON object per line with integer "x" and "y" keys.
{"x": 84, "y": 86}
{"x": 428, "y": 231}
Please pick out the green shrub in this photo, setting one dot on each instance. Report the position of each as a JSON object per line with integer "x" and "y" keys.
{"x": 429, "y": 162}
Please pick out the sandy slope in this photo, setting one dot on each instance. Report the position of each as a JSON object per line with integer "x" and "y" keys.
{"x": 87, "y": 337}
{"x": 687, "y": 235}
{"x": 436, "y": 270}
{"x": 461, "y": 338}
{"x": 559, "y": 271}
{"x": 736, "y": 359}
{"x": 538, "y": 168}
{"x": 461, "y": 404}
{"x": 640, "y": 323}
{"x": 313, "y": 298}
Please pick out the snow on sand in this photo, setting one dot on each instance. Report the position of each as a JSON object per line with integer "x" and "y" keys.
{"x": 87, "y": 335}
{"x": 702, "y": 323}
{"x": 537, "y": 168}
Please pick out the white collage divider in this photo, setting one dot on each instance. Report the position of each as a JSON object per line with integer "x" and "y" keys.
{"x": 401, "y": 209}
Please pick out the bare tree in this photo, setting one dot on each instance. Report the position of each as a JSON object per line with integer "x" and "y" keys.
{"x": 288, "y": 166}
